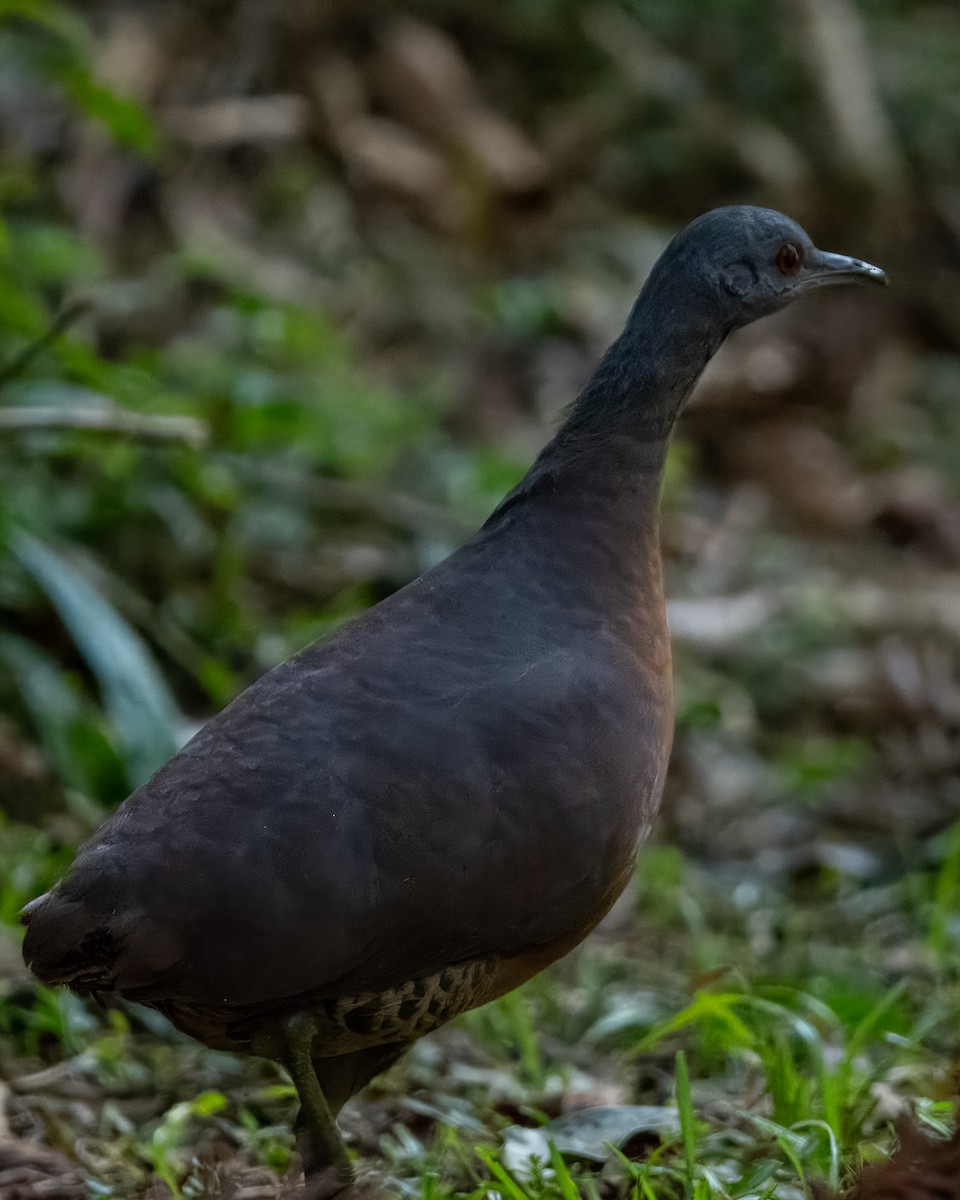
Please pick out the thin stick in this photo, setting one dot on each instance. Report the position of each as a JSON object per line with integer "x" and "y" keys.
{"x": 119, "y": 421}
{"x": 62, "y": 321}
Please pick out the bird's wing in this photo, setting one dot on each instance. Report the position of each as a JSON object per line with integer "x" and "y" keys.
{"x": 403, "y": 796}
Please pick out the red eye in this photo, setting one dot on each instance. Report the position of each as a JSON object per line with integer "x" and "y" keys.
{"x": 788, "y": 259}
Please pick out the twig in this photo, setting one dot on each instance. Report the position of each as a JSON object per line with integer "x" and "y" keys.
{"x": 63, "y": 1078}
{"x": 119, "y": 421}
{"x": 64, "y": 319}
{"x": 239, "y": 119}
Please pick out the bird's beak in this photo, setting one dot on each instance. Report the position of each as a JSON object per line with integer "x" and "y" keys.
{"x": 823, "y": 268}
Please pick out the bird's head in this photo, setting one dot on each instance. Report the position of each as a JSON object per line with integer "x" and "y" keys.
{"x": 722, "y": 271}
{"x": 752, "y": 261}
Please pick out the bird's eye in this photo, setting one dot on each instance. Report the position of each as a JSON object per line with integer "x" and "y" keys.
{"x": 788, "y": 259}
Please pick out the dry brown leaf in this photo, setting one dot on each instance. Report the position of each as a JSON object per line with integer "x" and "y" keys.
{"x": 924, "y": 1167}
{"x": 806, "y": 470}
{"x": 426, "y": 80}
{"x": 384, "y": 154}
{"x": 338, "y": 89}
{"x": 30, "y": 1171}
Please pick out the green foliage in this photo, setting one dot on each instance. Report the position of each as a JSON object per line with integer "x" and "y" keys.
{"x": 152, "y": 555}
{"x": 167, "y": 1142}
{"x": 240, "y": 466}
{"x": 135, "y": 697}
{"x": 49, "y": 40}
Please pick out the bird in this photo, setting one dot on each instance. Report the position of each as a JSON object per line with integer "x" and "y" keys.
{"x": 418, "y": 813}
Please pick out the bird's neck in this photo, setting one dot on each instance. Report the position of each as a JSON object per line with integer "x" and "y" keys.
{"x": 589, "y": 505}
{"x": 644, "y": 378}
{"x": 610, "y": 452}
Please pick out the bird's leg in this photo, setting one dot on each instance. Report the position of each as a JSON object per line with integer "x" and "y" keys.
{"x": 326, "y": 1166}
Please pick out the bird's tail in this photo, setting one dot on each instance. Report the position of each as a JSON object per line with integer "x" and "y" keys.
{"x": 67, "y": 944}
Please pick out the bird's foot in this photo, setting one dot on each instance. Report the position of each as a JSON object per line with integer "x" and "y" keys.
{"x": 323, "y": 1184}
{"x": 369, "y": 1184}
{"x": 332, "y": 1183}
{"x": 328, "y": 1182}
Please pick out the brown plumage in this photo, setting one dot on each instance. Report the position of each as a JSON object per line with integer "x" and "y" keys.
{"x": 923, "y": 1167}
{"x": 420, "y": 812}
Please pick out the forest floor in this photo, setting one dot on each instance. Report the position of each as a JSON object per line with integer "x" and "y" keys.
{"x": 727, "y": 1033}
{"x": 288, "y": 304}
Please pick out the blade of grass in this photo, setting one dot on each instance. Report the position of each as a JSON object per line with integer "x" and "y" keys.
{"x": 509, "y": 1185}
{"x": 834, "y": 1177}
{"x": 706, "y": 1004}
{"x": 135, "y": 696}
{"x": 568, "y": 1189}
{"x": 688, "y": 1122}
{"x": 945, "y": 895}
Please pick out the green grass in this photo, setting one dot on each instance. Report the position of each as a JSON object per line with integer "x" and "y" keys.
{"x": 771, "y": 1064}
{"x": 750, "y": 1027}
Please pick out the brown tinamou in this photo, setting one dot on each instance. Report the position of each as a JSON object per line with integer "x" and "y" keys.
{"x": 420, "y": 812}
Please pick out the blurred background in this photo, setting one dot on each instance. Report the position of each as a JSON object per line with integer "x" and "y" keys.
{"x": 290, "y": 295}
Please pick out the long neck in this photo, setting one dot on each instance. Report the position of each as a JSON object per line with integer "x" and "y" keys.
{"x": 585, "y": 516}
{"x": 609, "y": 454}
{"x": 640, "y": 385}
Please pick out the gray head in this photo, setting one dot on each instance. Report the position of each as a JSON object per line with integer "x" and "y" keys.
{"x": 747, "y": 262}
{"x": 724, "y": 270}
